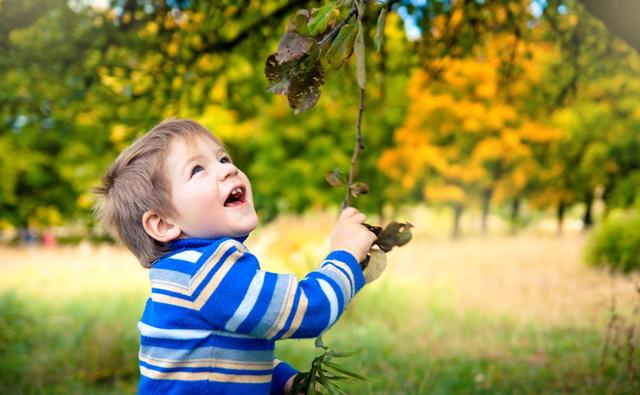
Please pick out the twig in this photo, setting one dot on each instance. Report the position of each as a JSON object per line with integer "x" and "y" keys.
{"x": 356, "y": 151}
{"x": 336, "y": 29}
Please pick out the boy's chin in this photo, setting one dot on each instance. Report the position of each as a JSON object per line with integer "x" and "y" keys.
{"x": 247, "y": 225}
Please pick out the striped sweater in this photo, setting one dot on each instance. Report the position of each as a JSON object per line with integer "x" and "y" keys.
{"x": 211, "y": 322}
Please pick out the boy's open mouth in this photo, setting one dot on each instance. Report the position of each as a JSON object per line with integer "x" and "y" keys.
{"x": 235, "y": 198}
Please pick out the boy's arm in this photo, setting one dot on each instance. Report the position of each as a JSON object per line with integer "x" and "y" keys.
{"x": 283, "y": 375}
{"x": 239, "y": 297}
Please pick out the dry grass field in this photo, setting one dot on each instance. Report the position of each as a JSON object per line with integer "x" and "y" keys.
{"x": 496, "y": 314}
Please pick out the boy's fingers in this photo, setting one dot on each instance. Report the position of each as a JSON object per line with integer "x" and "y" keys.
{"x": 359, "y": 217}
{"x": 348, "y": 212}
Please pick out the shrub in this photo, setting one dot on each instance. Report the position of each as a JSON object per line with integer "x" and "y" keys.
{"x": 616, "y": 242}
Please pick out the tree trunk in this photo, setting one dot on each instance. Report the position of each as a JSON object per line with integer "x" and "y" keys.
{"x": 486, "y": 205}
{"x": 588, "y": 214}
{"x": 515, "y": 214}
{"x": 457, "y": 213}
{"x": 560, "y": 216}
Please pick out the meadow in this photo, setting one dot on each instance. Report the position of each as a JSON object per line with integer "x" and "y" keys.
{"x": 482, "y": 315}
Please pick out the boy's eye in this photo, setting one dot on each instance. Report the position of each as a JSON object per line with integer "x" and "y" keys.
{"x": 196, "y": 169}
{"x": 225, "y": 159}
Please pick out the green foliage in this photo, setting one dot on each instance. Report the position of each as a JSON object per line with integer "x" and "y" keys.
{"x": 616, "y": 242}
{"x": 66, "y": 349}
{"x": 78, "y": 83}
{"x": 324, "y": 373}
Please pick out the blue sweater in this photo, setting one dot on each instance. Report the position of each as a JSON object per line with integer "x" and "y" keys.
{"x": 211, "y": 322}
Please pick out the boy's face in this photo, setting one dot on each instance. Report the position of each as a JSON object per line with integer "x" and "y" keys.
{"x": 211, "y": 196}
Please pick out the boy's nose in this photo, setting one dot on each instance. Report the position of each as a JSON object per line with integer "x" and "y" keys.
{"x": 228, "y": 170}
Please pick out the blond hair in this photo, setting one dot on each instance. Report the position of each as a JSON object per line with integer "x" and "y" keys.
{"x": 136, "y": 183}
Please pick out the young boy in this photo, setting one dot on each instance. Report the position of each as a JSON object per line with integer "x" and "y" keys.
{"x": 177, "y": 201}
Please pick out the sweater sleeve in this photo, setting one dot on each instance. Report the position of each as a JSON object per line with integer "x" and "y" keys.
{"x": 282, "y": 372}
{"x": 236, "y": 296}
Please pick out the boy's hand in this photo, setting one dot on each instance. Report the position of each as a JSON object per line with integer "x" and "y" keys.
{"x": 350, "y": 235}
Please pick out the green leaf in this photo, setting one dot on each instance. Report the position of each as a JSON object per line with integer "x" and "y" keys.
{"x": 380, "y": 28}
{"x": 293, "y": 46}
{"x": 360, "y": 56}
{"x": 319, "y": 343}
{"x": 342, "y": 46}
{"x": 299, "y": 23}
{"x": 331, "y": 387}
{"x": 345, "y": 354}
{"x": 322, "y": 18}
{"x": 345, "y": 3}
{"x": 300, "y": 383}
{"x": 312, "y": 389}
{"x": 344, "y": 371}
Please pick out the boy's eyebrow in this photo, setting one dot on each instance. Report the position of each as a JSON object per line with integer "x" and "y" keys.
{"x": 193, "y": 158}
{"x": 200, "y": 156}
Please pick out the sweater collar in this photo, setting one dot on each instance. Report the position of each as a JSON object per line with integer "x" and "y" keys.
{"x": 182, "y": 244}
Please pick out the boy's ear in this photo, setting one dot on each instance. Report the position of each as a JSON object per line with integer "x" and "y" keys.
{"x": 160, "y": 228}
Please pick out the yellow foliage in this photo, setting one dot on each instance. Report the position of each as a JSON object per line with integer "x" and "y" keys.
{"x": 471, "y": 124}
{"x": 176, "y": 83}
{"x": 393, "y": 28}
{"x": 85, "y": 200}
{"x": 486, "y": 90}
{"x": 198, "y": 17}
{"x": 111, "y": 82}
{"x": 152, "y": 28}
{"x": 408, "y": 181}
{"x": 411, "y": 137}
{"x": 209, "y": 62}
{"x": 47, "y": 216}
{"x": 141, "y": 81}
{"x": 219, "y": 90}
{"x": 539, "y": 133}
{"x": 196, "y": 41}
{"x": 511, "y": 139}
{"x": 519, "y": 178}
{"x": 488, "y": 149}
{"x": 456, "y": 17}
{"x": 432, "y": 156}
{"x": 445, "y": 193}
{"x": 439, "y": 24}
{"x": 467, "y": 173}
{"x": 224, "y": 123}
{"x": 500, "y": 15}
{"x": 172, "y": 47}
{"x": 118, "y": 134}
{"x": 466, "y": 114}
{"x": 86, "y": 118}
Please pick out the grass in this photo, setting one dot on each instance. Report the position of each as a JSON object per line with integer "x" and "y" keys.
{"x": 485, "y": 315}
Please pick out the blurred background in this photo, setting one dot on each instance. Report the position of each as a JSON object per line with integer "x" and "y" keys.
{"x": 507, "y": 132}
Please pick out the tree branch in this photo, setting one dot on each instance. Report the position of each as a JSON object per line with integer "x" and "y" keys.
{"x": 356, "y": 151}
